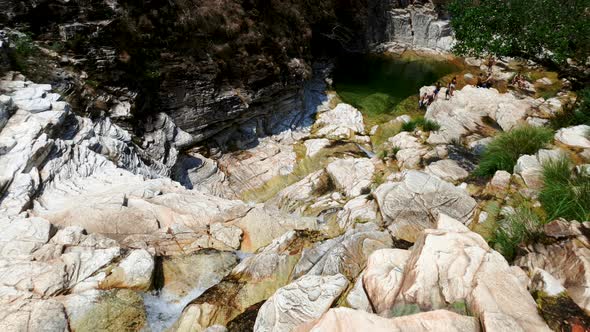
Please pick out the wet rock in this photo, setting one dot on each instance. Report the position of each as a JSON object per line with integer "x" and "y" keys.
{"x": 184, "y": 273}
{"x": 411, "y": 204}
{"x": 255, "y": 279}
{"x": 300, "y": 195}
{"x": 344, "y": 319}
{"x": 120, "y": 310}
{"x": 301, "y": 301}
{"x": 351, "y": 176}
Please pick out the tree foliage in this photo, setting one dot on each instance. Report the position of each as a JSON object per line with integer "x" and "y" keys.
{"x": 553, "y": 30}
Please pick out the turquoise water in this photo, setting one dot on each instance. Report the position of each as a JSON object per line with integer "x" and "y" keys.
{"x": 377, "y": 85}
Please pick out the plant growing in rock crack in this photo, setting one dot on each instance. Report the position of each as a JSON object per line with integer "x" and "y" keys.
{"x": 426, "y": 125}
{"x": 503, "y": 152}
{"x": 522, "y": 226}
{"x": 565, "y": 194}
{"x": 574, "y": 113}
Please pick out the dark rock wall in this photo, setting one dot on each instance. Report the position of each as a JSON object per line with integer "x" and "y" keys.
{"x": 206, "y": 63}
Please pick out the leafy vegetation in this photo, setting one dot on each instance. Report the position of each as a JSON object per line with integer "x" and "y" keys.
{"x": 550, "y": 29}
{"x": 503, "y": 152}
{"x": 524, "y": 225}
{"x": 565, "y": 194}
{"x": 23, "y": 49}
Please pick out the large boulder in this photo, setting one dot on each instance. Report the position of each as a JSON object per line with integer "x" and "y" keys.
{"x": 345, "y": 319}
{"x": 351, "y": 176}
{"x": 346, "y": 254}
{"x": 342, "y": 122}
{"x": 302, "y": 301}
{"x": 412, "y": 204}
{"x": 450, "y": 265}
{"x": 470, "y": 108}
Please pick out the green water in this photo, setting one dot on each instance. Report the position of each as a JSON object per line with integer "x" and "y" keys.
{"x": 382, "y": 86}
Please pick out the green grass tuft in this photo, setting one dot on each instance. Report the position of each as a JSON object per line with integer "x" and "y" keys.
{"x": 521, "y": 227}
{"x": 503, "y": 152}
{"x": 409, "y": 126}
{"x": 565, "y": 194}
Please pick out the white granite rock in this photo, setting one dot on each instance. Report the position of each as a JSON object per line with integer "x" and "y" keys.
{"x": 302, "y": 301}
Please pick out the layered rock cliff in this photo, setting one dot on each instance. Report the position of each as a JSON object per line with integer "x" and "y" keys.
{"x": 207, "y": 64}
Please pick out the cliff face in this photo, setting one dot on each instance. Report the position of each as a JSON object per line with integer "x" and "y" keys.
{"x": 206, "y": 63}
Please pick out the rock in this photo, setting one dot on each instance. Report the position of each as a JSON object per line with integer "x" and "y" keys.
{"x": 33, "y": 315}
{"x": 346, "y": 254}
{"x": 530, "y": 167}
{"x": 252, "y": 168}
{"x": 301, "y": 301}
{"x": 500, "y": 183}
{"x": 409, "y": 205}
{"x": 466, "y": 111}
{"x": 344, "y": 319}
{"x": 22, "y": 236}
{"x": 451, "y": 264}
{"x": 542, "y": 280}
{"x": 134, "y": 272}
{"x": 359, "y": 209}
{"x": 300, "y": 195}
{"x": 575, "y": 137}
{"x": 228, "y": 235}
{"x": 184, "y": 273}
{"x": 255, "y": 279}
{"x": 351, "y": 176}
{"x": 194, "y": 171}
{"x": 404, "y": 140}
{"x": 568, "y": 262}
{"x": 342, "y": 122}
{"x": 447, "y": 170}
{"x": 262, "y": 225}
{"x": 120, "y": 310}
{"x": 313, "y": 146}
{"x": 410, "y": 158}
{"x": 385, "y": 270}
{"x": 357, "y": 297}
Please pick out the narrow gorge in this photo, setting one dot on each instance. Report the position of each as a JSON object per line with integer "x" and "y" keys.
{"x": 287, "y": 165}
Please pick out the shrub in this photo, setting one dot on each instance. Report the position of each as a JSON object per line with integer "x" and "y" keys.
{"x": 503, "y": 152}
{"x": 565, "y": 194}
{"x": 521, "y": 227}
